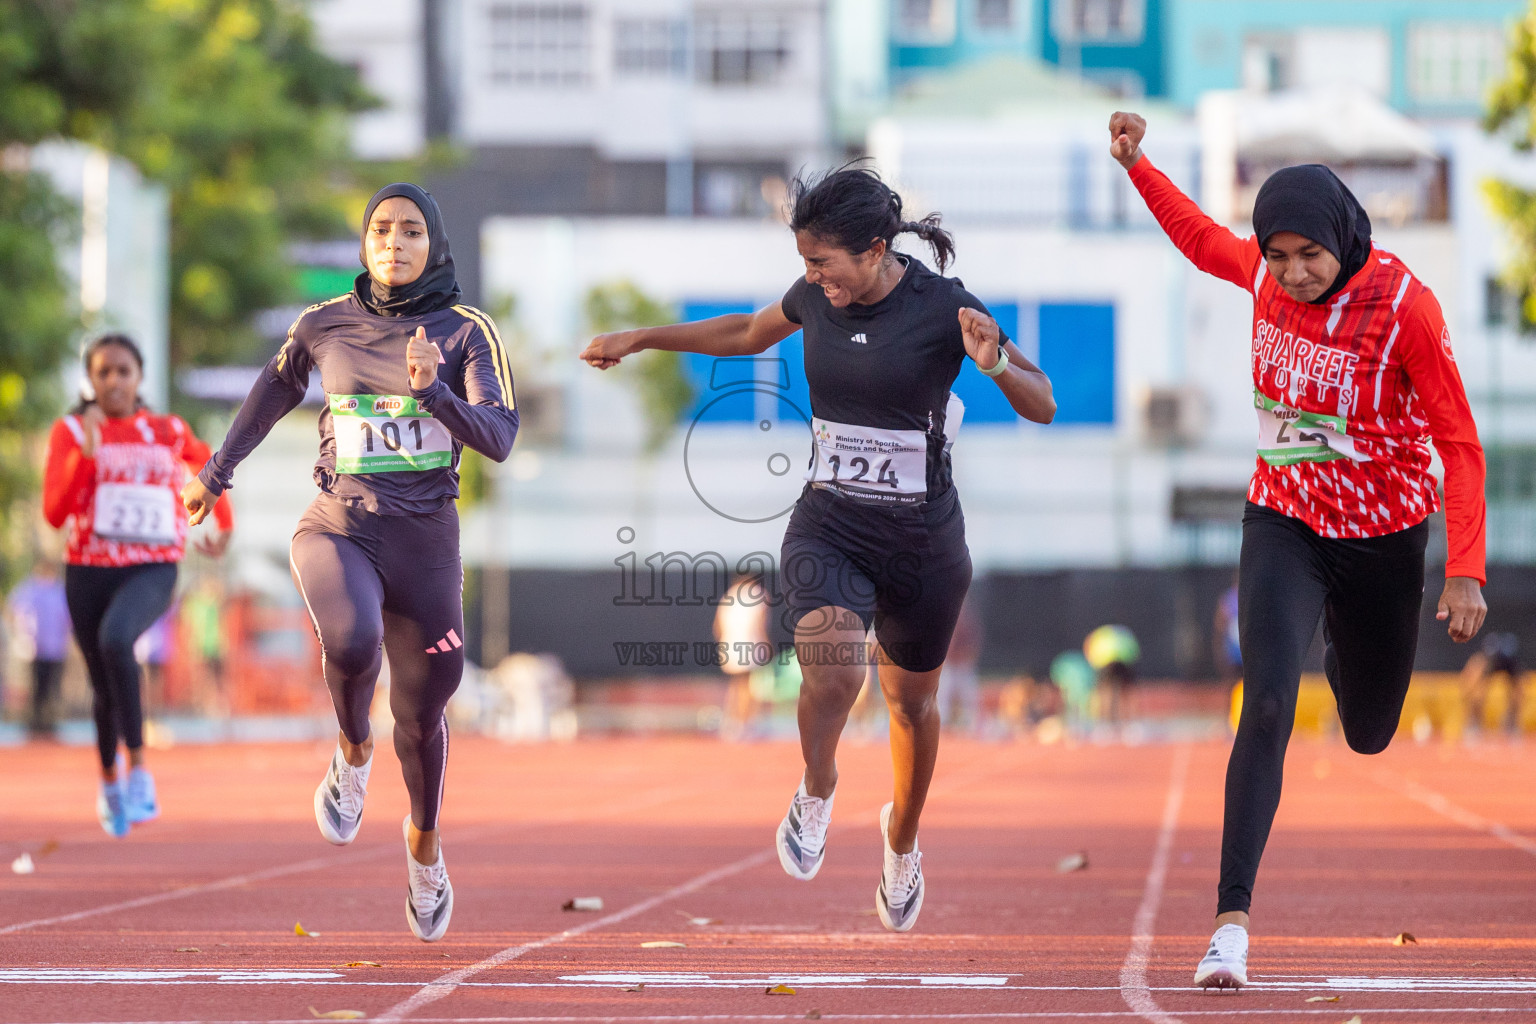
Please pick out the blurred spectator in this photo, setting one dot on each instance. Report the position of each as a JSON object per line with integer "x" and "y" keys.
{"x": 152, "y": 650}
{"x": 202, "y": 614}
{"x": 959, "y": 695}
{"x": 1225, "y": 648}
{"x": 1112, "y": 653}
{"x": 741, "y": 630}
{"x": 39, "y": 623}
{"x": 1499, "y": 655}
{"x": 1074, "y": 679}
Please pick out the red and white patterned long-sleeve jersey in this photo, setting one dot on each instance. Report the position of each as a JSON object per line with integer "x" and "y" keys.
{"x": 123, "y": 504}
{"x": 1348, "y": 393}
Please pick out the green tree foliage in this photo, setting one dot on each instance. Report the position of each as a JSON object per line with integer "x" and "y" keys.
{"x": 665, "y": 391}
{"x": 229, "y": 104}
{"x": 1512, "y": 110}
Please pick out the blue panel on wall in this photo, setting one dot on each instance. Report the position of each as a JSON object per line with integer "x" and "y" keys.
{"x": 984, "y": 400}
{"x": 708, "y": 406}
{"x": 791, "y": 352}
{"x": 1077, "y": 351}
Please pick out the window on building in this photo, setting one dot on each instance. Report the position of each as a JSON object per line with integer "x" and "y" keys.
{"x": 539, "y": 44}
{"x": 929, "y": 22}
{"x": 1453, "y": 63}
{"x": 649, "y": 46}
{"x": 994, "y": 15}
{"x": 742, "y": 47}
{"x": 1099, "y": 21}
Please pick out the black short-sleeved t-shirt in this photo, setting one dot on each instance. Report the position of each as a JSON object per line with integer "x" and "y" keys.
{"x": 880, "y": 378}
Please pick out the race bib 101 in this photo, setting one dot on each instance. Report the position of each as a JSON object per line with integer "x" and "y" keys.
{"x": 1288, "y": 436}
{"x": 135, "y": 513}
{"x": 870, "y": 463}
{"x": 387, "y": 434}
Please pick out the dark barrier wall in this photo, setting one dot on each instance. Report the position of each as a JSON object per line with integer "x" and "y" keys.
{"x": 1027, "y": 619}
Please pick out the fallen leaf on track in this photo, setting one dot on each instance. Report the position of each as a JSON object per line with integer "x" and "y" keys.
{"x": 1354, "y": 1020}
{"x": 50, "y": 846}
{"x": 1404, "y": 938}
{"x": 813, "y": 1015}
{"x": 1324, "y": 999}
{"x": 639, "y": 987}
{"x": 337, "y": 1014}
{"x": 188, "y": 949}
{"x": 662, "y": 944}
{"x": 779, "y": 990}
{"x": 583, "y": 903}
{"x": 23, "y": 865}
{"x": 1072, "y": 862}
{"x": 361, "y": 963}
{"x": 299, "y": 929}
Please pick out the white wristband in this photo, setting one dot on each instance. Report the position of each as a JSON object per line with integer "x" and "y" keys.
{"x": 999, "y": 366}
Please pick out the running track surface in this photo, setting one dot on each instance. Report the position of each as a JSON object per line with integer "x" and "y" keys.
{"x": 192, "y": 917}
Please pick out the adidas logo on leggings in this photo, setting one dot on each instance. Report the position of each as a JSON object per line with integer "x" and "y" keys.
{"x": 447, "y": 643}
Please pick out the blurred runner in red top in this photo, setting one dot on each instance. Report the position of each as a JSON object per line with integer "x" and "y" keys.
{"x": 113, "y": 476}
{"x": 1353, "y": 377}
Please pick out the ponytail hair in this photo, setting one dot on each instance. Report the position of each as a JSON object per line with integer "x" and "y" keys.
{"x": 122, "y": 341}
{"x": 852, "y": 208}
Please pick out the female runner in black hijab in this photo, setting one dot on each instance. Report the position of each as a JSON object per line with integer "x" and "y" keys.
{"x": 411, "y": 377}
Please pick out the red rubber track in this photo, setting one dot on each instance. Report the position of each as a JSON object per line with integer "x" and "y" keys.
{"x": 1439, "y": 842}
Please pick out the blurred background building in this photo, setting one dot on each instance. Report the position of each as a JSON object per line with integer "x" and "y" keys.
{"x": 588, "y": 152}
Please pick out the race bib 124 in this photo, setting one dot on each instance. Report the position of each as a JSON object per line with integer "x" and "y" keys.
{"x": 869, "y": 462}
{"x": 387, "y": 434}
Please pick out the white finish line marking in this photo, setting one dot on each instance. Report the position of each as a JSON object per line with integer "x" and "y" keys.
{"x": 1133, "y": 973}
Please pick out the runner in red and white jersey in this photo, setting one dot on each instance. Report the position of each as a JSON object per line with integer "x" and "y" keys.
{"x": 1353, "y": 379}
{"x": 113, "y": 476}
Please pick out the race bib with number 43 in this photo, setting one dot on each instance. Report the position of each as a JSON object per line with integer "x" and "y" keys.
{"x": 1288, "y": 436}
{"x": 387, "y": 434}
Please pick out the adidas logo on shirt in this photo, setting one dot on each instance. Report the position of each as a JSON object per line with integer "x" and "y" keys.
{"x": 862, "y": 339}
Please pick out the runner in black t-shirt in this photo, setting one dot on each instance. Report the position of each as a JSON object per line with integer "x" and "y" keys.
{"x": 877, "y": 537}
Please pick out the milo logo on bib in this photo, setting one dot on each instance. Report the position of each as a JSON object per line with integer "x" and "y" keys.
{"x": 387, "y": 434}
{"x": 1288, "y": 435}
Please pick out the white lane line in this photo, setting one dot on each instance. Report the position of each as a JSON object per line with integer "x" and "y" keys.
{"x": 232, "y": 882}
{"x": 445, "y": 985}
{"x": 1442, "y": 806}
{"x": 1133, "y": 973}
{"x": 1374, "y": 1013}
{"x": 660, "y": 795}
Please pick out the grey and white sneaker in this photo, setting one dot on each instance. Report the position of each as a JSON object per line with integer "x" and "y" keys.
{"x": 802, "y": 836}
{"x": 899, "y": 897}
{"x": 140, "y": 796}
{"x": 1225, "y": 964}
{"x": 428, "y": 893}
{"x": 339, "y": 799}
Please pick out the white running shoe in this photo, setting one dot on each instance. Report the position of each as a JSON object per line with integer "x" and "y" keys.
{"x": 339, "y": 799}
{"x": 428, "y": 893}
{"x": 899, "y": 896}
{"x": 802, "y": 836}
{"x": 112, "y": 808}
{"x": 1225, "y": 964}
{"x": 141, "y": 802}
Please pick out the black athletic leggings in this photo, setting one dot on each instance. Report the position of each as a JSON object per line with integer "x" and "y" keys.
{"x": 392, "y": 582}
{"x": 1368, "y": 593}
{"x": 110, "y": 607}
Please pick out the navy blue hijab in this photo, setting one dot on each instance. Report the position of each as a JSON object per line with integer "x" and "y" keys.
{"x": 437, "y": 287}
{"x": 1310, "y": 200}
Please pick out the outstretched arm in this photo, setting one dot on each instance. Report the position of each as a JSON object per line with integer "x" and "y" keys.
{"x": 1205, "y": 243}
{"x": 735, "y": 334}
{"x": 1426, "y": 348}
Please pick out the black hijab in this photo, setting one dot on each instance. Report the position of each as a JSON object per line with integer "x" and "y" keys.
{"x": 437, "y": 287}
{"x": 1310, "y": 200}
